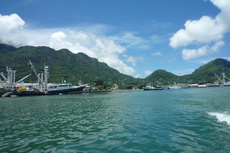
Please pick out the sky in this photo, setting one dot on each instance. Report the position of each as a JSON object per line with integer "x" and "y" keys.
{"x": 132, "y": 36}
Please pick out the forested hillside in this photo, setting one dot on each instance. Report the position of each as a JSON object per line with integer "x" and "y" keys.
{"x": 74, "y": 67}
{"x": 62, "y": 64}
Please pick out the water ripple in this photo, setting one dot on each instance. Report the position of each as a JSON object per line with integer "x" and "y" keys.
{"x": 165, "y": 121}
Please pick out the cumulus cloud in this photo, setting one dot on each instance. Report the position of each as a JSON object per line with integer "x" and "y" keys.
{"x": 57, "y": 41}
{"x": 147, "y": 72}
{"x": 14, "y": 32}
{"x": 206, "y": 30}
{"x": 10, "y": 27}
{"x": 10, "y": 22}
{"x": 188, "y": 54}
{"x": 217, "y": 46}
{"x": 133, "y": 60}
{"x": 156, "y": 54}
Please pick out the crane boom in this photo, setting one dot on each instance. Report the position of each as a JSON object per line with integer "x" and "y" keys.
{"x": 23, "y": 78}
{"x": 4, "y": 77}
{"x": 38, "y": 76}
{"x": 32, "y": 67}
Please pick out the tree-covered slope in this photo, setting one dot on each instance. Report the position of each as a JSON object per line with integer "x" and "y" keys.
{"x": 63, "y": 63}
{"x": 73, "y": 67}
{"x": 206, "y": 73}
{"x": 162, "y": 77}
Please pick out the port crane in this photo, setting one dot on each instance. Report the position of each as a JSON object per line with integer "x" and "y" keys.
{"x": 42, "y": 84}
{"x": 10, "y": 79}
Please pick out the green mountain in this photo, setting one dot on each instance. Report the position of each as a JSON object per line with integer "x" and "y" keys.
{"x": 74, "y": 67}
{"x": 204, "y": 74}
{"x": 62, "y": 64}
{"x": 162, "y": 77}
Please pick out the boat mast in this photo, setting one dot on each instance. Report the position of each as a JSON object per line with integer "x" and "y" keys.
{"x": 223, "y": 78}
{"x": 14, "y": 71}
{"x": 46, "y": 73}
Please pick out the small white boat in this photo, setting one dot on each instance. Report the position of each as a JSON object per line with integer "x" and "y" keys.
{"x": 149, "y": 87}
{"x": 174, "y": 86}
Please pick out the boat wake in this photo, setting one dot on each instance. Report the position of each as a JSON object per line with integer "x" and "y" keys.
{"x": 222, "y": 117}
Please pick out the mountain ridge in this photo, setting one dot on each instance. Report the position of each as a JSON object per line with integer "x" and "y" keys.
{"x": 62, "y": 64}
{"x": 74, "y": 67}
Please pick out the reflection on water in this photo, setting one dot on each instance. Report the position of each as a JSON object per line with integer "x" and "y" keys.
{"x": 184, "y": 120}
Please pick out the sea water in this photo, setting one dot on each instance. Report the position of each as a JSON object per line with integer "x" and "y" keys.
{"x": 182, "y": 120}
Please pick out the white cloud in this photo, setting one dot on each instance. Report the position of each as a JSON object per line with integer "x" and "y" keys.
{"x": 157, "y": 53}
{"x": 10, "y": 27}
{"x": 58, "y": 41}
{"x": 188, "y": 54}
{"x": 130, "y": 40}
{"x": 147, "y": 72}
{"x": 217, "y": 46}
{"x": 137, "y": 76}
{"x": 14, "y": 32}
{"x": 10, "y": 22}
{"x": 133, "y": 60}
{"x": 206, "y": 30}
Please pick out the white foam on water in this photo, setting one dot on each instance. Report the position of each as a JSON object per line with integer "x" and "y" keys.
{"x": 222, "y": 117}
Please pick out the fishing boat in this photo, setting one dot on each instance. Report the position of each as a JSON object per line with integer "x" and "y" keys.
{"x": 42, "y": 87}
{"x": 65, "y": 88}
{"x": 27, "y": 91}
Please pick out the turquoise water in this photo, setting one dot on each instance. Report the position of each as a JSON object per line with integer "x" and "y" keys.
{"x": 183, "y": 120}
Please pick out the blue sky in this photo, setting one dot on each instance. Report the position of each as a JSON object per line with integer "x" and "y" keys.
{"x": 135, "y": 37}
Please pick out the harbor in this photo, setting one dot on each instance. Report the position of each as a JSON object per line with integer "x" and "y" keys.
{"x": 42, "y": 87}
{"x": 11, "y": 88}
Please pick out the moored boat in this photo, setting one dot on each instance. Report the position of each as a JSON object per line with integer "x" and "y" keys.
{"x": 149, "y": 87}
{"x": 175, "y": 86}
{"x": 63, "y": 89}
{"x": 27, "y": 91}
{"x": 42, "y": 87}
